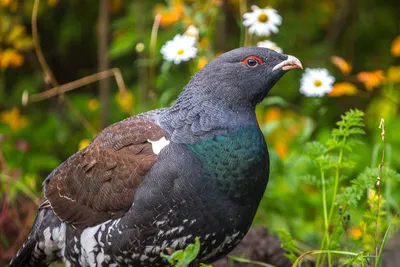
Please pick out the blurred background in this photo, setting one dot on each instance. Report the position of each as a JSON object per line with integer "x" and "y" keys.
{"x": 354, "y": 39}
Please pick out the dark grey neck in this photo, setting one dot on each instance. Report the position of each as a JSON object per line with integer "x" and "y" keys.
{"x": 192, "y": 118}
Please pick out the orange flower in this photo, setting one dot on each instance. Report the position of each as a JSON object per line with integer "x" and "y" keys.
{"x": 342, "y": 64}
{"x": 5, "y": 2}
{"x": 170, "y": 16}
{"x": 272, "y": 114}
{"x": 345, "y": 88}
{"x": 281, "y": 149}
{"x": 355, "y": 233}
{"x": 10, "y": 57}
{"x": 395, "y": 50}
{"x": 371, "y": 79}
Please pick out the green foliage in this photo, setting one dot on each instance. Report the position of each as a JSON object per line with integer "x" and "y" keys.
{"x": 182, "y": 258}
{"x": 307, "y": 157}
{"x": 288, "y": 244}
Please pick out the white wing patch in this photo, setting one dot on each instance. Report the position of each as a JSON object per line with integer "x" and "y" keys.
{"x": 157, "y": 146}
{"x": 54, "y": 239}
{"x": 88, "y": 244}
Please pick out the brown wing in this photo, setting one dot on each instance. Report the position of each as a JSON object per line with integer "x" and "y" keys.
{"x": 98, "y": 183}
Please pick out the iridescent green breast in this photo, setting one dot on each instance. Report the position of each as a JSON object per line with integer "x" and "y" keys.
{"x": 236, "y": 163}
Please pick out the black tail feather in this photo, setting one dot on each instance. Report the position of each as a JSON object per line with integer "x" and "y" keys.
{"x": 30, "y": 254}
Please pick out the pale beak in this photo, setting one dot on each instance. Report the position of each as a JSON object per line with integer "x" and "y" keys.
{"x": 288, "y": 64}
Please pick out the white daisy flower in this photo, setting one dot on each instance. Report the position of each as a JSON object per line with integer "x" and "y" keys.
{"x": 270, "y": 45}
{"x": 181, "y": 48}
{"x": 262, "y": 22}
{"x": 316, "y": 82}
{"x": 192, "y": 31}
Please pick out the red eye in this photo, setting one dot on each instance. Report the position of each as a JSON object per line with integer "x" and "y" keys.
{"x": 252, "y": 61}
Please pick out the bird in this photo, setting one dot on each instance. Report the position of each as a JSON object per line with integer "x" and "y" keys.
{"x": 155, "y": 182}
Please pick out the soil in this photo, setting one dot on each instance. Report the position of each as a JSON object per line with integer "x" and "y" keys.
{"x": 257, "y": 245}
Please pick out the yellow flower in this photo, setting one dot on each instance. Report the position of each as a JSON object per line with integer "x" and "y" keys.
{"x": 202, "y": 62}
{"x": 371, "y": 79}
{"x": 93, "y": 104}
{"x": 345, "y": 88}
{"x": 373, "y": 199}
{"x": 342, "y": 64}
{"x": 281, "y": 149}
{"x": 355, "y": 233}
{"x": 394, "y": 74}
{"x": 10, "y": 57}
{"x": 13, "y": 118}
{"x": 395, "y": 50}
{"x": 16, "y": 32}
{"x": 372, "y": 196}
{"x": 83, "y": 143}
{"x": 125, "y": 101}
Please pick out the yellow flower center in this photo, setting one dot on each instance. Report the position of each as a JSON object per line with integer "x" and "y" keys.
{"x": 180, "y": 51}
{"x": 317, "y": 83}
{"x": 263, "y": 17}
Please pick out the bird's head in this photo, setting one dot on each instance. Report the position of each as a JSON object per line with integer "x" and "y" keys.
{"x": 241, "y": 76}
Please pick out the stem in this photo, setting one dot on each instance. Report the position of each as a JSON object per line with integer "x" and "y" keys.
{"x": 332, "y": 208}
{"x": 326, "y": 222}
{"x": 243, "y": 30}
{"x": 312, "y": 252}
{"x": 103, "y": 62}
{"x": 152, "y": 56}
{"x": 337, "y": 175}
{"x": 378, "y": 185}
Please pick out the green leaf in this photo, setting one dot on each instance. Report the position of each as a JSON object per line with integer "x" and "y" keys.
{"x": 122, "y": 45}
{"x": 288, "y": 244}
{"x": 182, "y": 258}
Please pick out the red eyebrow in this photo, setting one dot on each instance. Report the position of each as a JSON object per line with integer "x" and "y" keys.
{"x": 259, "y": 60}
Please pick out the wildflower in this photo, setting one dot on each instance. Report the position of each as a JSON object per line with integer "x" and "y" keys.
{"x": 270, "y": 45}
{"x": 342, "y": 64}
{"x": 344, "y": 88}
{"x": 125, "y": 101}
{"x": 371, "y": 79}
{"x": 262, "y": 22}
{"x": 202, "y": 62}
{"x": 181, "y": 48}
{"x": 10, "y": 57}
{"x": 5, "y": 2}
{"x": 272, "y": 114}
{"x": 393, "y": 74}
{"x": 93, "y": 104}
{"x": 281, "y": 149}
{"x": 13, "y": 118}
{"x": 316, "y": 82}
{"x": 355, "y": 233}
{"x": 395, "y": 49}
{"x": 83, "y": 143}
{"x": 192, "y": 31}
{"x": 170, "y": 15}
